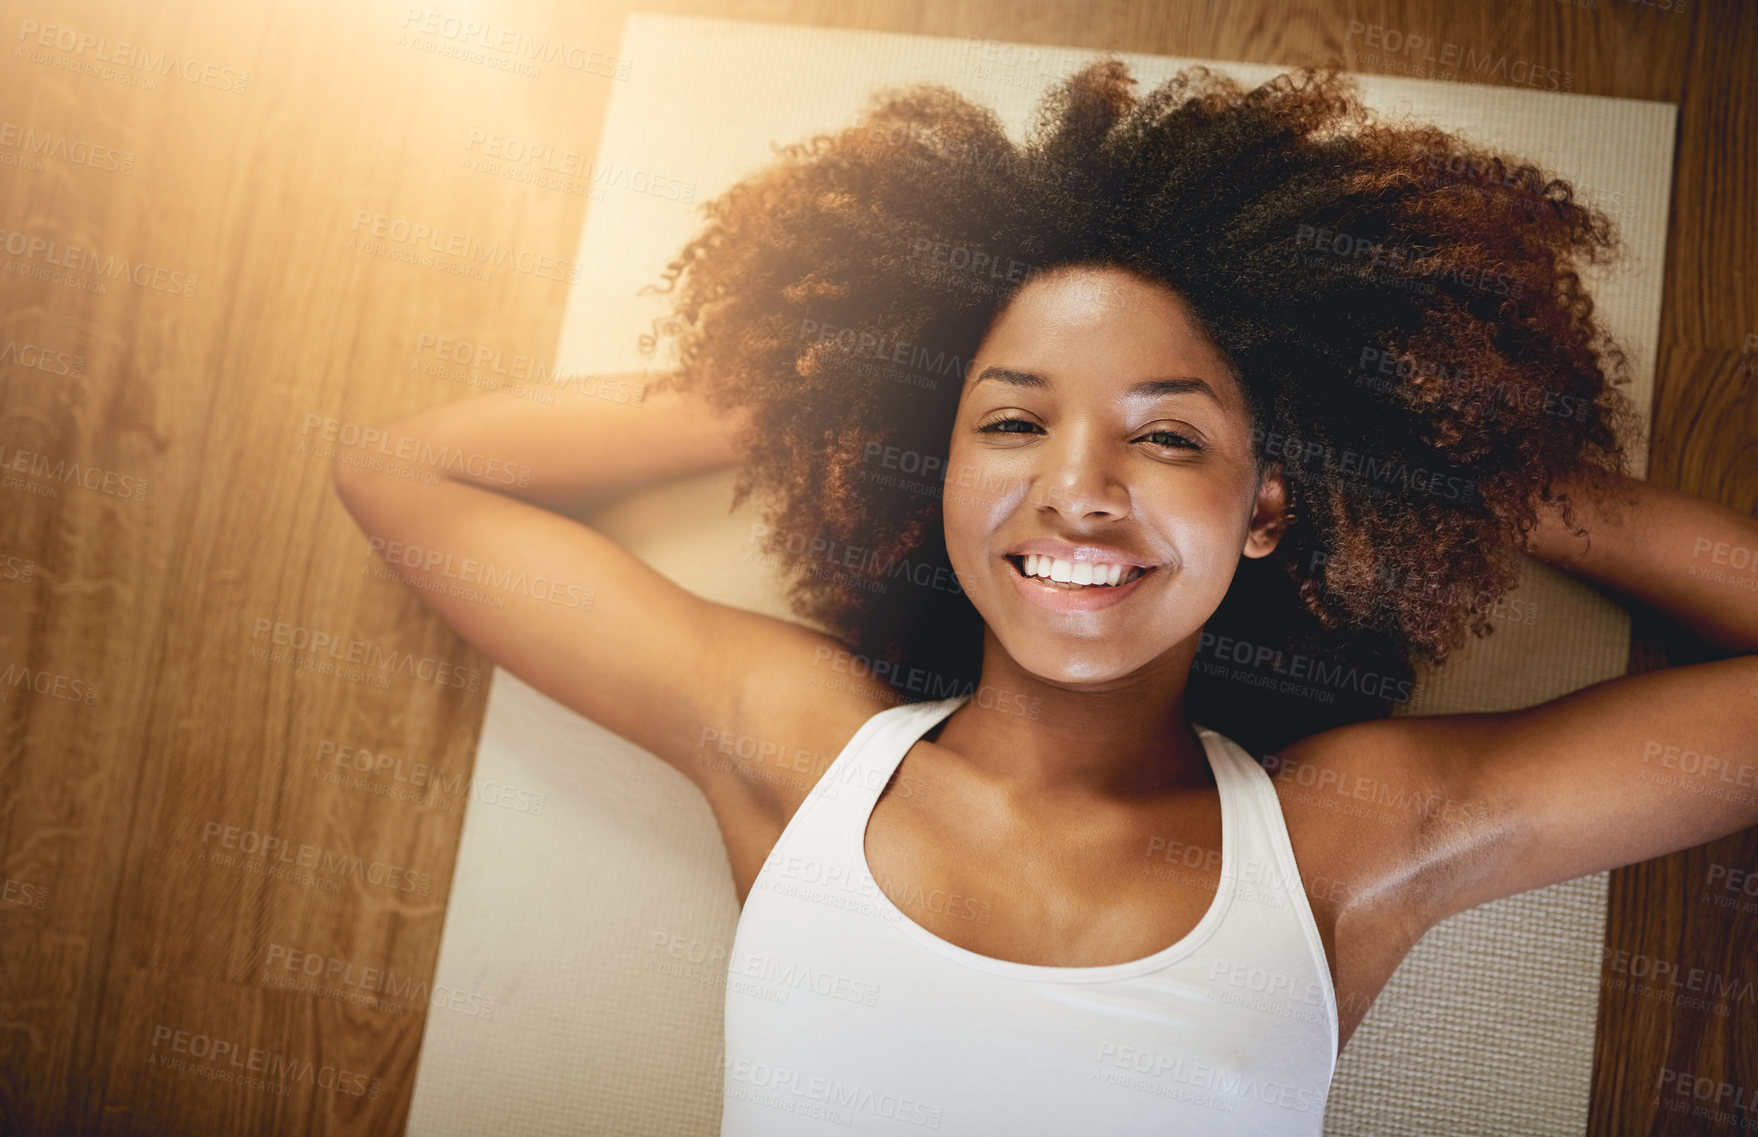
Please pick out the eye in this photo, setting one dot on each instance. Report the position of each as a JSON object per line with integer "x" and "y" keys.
{"x": 997, "y": 426}
{"x": 1178, "y": 441}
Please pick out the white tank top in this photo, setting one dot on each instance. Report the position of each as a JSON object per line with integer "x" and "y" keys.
{"x": 844, "y": 1016}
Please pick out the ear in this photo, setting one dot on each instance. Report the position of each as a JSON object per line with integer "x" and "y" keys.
{"x": 1270, "y": 515}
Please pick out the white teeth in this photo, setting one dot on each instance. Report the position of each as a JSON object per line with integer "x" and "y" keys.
{"x": 1078, "y": 572}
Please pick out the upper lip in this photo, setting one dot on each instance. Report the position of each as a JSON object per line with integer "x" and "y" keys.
{"x": 1091, "y": 554}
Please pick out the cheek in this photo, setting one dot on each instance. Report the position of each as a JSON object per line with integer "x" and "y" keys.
{"x": 975, "y": 499}
{"x": 1221, "y": 550}
{"x": 1207, "y": 523}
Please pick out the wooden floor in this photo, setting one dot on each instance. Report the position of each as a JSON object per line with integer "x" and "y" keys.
{"x": 188, "y": 309}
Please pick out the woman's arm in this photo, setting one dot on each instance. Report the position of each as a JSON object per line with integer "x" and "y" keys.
{"x": 569, "y": 455}
{"x": 1693, "y": 559}
{"x": 1482, "y": 806}
{"x": 454, "y": 499}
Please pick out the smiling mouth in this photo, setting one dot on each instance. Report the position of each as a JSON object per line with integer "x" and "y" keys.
{"x": 1073, "y": 575}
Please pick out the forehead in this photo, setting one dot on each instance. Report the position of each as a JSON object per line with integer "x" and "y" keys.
{"x": 1095, "y": 322}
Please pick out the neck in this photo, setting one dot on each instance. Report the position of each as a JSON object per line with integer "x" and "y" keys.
{"x": 1121, "y": 739}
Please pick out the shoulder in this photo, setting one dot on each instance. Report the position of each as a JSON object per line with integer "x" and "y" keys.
{"x": 801, "y": 696}
{"x": 1384, "y": 769}
{"x": 1377, "y": 809}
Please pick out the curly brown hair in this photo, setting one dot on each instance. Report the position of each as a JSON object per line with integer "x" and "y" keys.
{"x": 1403, "y": 310}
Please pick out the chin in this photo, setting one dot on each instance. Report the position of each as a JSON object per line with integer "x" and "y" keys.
{"x": 1066, "y": 660}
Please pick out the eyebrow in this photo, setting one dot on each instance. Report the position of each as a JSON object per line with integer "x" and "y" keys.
{"x": 1147, "y": 388}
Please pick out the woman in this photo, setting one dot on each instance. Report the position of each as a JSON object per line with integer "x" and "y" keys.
{"x": 1215, "y": 367}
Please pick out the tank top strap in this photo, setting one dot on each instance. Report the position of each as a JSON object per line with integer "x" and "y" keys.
{"x": 1263, "y": 863}
{"x": 1262, "y": 837}
{"x": 867, "y": 761}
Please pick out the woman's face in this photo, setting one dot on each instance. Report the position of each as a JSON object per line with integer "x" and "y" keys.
{"x": 1101, "y": 427}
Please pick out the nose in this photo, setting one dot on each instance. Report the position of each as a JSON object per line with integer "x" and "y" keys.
{"x": 1078, "y": 479}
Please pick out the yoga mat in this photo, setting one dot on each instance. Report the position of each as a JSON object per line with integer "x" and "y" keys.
{"x": 601, "y": 927}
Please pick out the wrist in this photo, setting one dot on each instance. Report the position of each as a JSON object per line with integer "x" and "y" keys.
{"x": 1602, "y": 519}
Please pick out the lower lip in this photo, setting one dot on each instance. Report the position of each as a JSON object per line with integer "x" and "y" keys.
{"x": 1072, "y": 599}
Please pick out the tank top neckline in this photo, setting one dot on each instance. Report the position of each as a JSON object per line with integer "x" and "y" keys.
{"x": 918, "y": 719}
